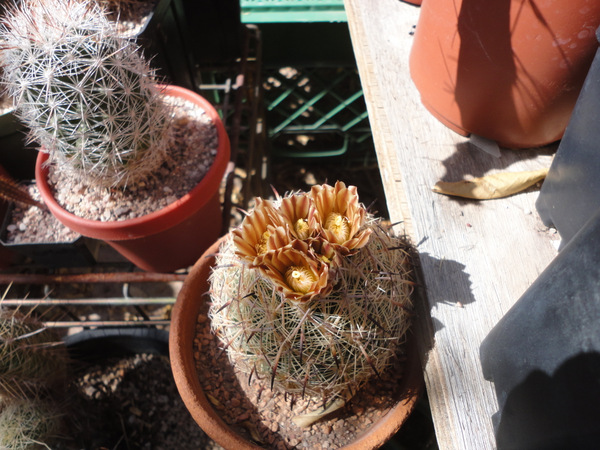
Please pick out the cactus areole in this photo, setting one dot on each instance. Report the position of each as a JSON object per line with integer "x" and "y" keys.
{"x": 92, "y": 104}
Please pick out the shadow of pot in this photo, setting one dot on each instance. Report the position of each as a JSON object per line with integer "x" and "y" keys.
{"x": 191, "y": 301}
{"x": 15, "y": 156}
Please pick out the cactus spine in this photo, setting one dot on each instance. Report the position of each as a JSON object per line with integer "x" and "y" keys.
{"x": 28, "y": 424}
{"x": 86, "y": 94}
{"x": 320, "y": 339}
{"x": 31, "y": 362}
{"x": 34, "y": 372}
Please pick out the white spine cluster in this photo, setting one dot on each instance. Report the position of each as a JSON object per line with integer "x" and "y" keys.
{"x": 86, "y": 94}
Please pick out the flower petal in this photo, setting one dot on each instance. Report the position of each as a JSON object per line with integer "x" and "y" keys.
{"x": 299, "y": 213}
{"x": 279, "y": 238}
{"x": 295, "y": 273}
{"x": 251, "y": 237}
{"x": 341, "y": 216}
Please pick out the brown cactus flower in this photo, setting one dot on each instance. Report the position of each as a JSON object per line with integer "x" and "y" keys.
{"x": 279, "y": 237}
{"x": 326, "y": 252}
{"x": 299, "y": 213}
{"x": 295, "y": 273}
{"x": 341, "y": 216}
{"x": 251, "y": 237}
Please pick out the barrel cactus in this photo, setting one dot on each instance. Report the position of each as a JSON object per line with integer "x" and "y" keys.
{"x": 86, "y": 93}
{"x": 29, "y": 424}
{"x": 312, "y": 293}
{"x": 33, "y": 361}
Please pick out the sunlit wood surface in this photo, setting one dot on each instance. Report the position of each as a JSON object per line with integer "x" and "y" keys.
{"x": 477, "y": 258}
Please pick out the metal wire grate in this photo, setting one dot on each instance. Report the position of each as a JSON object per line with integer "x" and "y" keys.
{"x": 313, "y": 112}
{"x": 94, "y": 298}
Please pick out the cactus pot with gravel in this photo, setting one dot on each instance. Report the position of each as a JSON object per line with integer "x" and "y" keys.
{"x": 116, "y": 146}
{"x": 294, "y": 328}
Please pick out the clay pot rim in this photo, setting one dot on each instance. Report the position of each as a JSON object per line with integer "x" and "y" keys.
{"x": 181, "y": 337}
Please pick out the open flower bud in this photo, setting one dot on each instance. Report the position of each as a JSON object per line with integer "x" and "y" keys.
{"x": 251, "y": 238}
{"x": 341, "y": 216}
{"x": 296, "y": 274}
{"x": 299, "y": 213}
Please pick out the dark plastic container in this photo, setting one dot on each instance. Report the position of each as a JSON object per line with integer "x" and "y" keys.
{"x": 570, "y": 194}
{"x": 544, "y": 354}
{"x": 215, "y": 30}
{"x": 78, "y": 252}
{"x": 98, "y": 344}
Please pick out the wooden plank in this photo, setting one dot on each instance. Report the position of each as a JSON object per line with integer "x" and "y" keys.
{"x": 477, "y": 258}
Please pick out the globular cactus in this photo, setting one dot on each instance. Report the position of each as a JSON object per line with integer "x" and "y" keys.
{"x": 28, "y": 424}
{"x": 312, "y": 293}
{"x": 87, "y": 95}
{"x": 33, "y": 361}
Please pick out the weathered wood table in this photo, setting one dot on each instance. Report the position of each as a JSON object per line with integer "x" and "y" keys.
{"x": 477, "y": 258}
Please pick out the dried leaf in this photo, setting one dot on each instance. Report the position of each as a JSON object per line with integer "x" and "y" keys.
{"x": 306, "y": 420}
{"x": 253, "y": 431}
{"x": 497, "y": 185}
{"x": 214, "y": 401}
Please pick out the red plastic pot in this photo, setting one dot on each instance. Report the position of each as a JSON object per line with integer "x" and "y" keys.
{"x": 507, "y": 70}
{"x": 192, "y": 300}
{"x": 173, "y": 237}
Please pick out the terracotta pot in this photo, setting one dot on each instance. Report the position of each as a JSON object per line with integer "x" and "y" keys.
{"x": 190, "y": 301}
{"x": 510, "y": 71}
{"x": 168, "y": 239}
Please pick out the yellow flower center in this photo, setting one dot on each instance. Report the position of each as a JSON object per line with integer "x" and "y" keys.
{"x": 261, "y": 245}
{"x": 339, "y": 225}
{"x": 301, "y": 228}
{"x": 299, "y": 279}
{"x": 325, "y": 259}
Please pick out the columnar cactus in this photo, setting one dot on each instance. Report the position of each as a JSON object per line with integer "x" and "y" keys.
{"x": 86, "y": 94}
{"x": 312, "y": 293}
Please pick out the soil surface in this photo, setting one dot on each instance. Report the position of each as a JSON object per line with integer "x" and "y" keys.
{"x": 31, "y": 224}
{"x": 129, "y": 403}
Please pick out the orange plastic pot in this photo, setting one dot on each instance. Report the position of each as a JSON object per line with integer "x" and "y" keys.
{"x": 507, "y": 70}
{"x": 191, "y": 301}
{"x": 173, "y": 237}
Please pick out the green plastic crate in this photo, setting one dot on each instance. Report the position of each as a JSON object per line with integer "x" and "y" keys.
{"x": 290, "y": 11}
{"x": 312, "y": 93}
{"x": 315, "y": 112}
